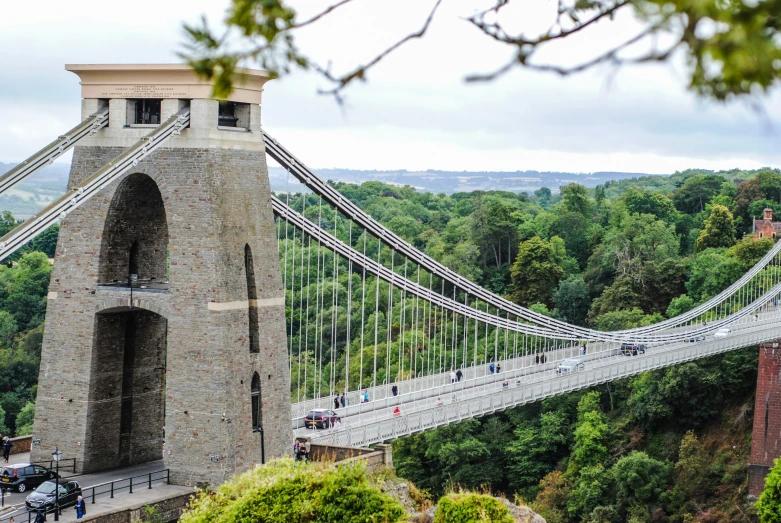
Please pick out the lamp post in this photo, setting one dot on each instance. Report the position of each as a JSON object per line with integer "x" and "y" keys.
{"x": 56, "y": 456}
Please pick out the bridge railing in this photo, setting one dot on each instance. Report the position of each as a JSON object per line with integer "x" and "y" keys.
{"x": 90, "y": 494}
{"x": 499, "y": 398}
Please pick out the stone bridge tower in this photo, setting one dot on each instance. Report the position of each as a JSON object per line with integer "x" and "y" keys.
{"x": 165, "y": 325}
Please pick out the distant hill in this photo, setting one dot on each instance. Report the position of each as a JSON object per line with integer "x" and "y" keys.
{"x": 50, "y": 182}
{"x": 37, "y": 191}
{"x": 460, "y": 181}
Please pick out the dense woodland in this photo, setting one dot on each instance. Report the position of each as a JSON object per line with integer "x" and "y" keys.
{"x": 668, "y": 445}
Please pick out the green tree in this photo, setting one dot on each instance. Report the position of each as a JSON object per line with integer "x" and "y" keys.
{"x": 679, "y": 305}
{"x": 625, "y": 319}
{"x": 535, "y": 451}
{"x": 641, "y": 202}
{"x": 696, "y": 192}
{"x": 692, "y": 465}
{"x": 591, "y": 489}
{"x": 535, "y": 273}
{"x": 544, "y": 196}
{"x": 29, "y": 286}
{"x": 749, "y": 250}
{"x": 757, "y": 208}
{"x": 4, "y": 430}
{"x": 572, "y": 300}
{"x": 8, "y": 329}
{"x": 46, "y": 242}
{"x": 769, "y": 503}
{"x": 24, "y": 420}
{"x": 719, "y": 229}
{"x": 575, "y": 199}
{"x": 710, "y": 272}
{"x": 640, "y": 477}
{"x": 591, "y": 434}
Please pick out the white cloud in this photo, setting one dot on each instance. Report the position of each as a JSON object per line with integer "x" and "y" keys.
{"x": 415, "y": 112}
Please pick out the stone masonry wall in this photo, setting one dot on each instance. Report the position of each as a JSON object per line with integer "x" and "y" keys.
{"x": 766, "y": 436}
{"x": 216, "y": 202}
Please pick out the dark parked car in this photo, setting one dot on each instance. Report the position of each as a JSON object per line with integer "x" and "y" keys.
{"x": 632, "y": 349}
{"x": 22, "y": 476}
{"x": 43, "y": 497}
{"x": 321, "y": 418}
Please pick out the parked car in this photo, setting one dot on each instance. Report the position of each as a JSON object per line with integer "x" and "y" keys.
{"x": 321, "y": 418}
{"x": 722, "y": 333}
{"x": 43, "y": 497}
{"x": 22, "y": 476}
{"x": 632, "y": 349}
{"x": 570, "y": 365}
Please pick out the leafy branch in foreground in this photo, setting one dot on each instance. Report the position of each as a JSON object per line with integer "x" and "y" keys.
{"x": 732, "y": 47}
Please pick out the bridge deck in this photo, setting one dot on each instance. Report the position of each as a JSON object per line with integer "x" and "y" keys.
{"x": 477, "y": 398}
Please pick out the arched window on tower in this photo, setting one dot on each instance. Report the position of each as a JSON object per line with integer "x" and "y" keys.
{"x": 252, "y": 298}
{"x": 257, "y": 413}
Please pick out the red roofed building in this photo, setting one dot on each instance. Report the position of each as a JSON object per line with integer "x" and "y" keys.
{"x": 766, "y": 227}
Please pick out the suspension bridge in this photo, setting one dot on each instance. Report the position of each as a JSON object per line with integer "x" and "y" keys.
{"x": 365, "y": 310}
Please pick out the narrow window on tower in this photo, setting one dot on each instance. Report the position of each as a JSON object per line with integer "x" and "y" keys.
{"x": 252, "y": 301}
{"x": 257, "y": 413}
{"x": 767, "y": 416}
{"x": 133, "y": 261}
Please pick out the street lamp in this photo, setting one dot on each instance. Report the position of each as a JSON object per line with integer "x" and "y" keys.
{"x": 57, "y": 456}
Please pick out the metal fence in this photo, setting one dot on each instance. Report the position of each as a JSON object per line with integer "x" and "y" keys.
{"x": 90, "y": 494}
{"x": 496, "y": 396}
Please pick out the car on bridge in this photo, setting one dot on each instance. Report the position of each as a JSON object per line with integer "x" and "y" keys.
{"x": 722, "y": 333}
{"x": 321, "y": 419}
{"x": 22, "y": 476}
{"x": 632, "y": 349}
{"x": 43, "y": 497}
{"x": 570, "y": 365}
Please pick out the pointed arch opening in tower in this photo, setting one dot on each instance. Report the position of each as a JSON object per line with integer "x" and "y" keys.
{"x": 257, "y": 406}
{"x": 135, "y": 236}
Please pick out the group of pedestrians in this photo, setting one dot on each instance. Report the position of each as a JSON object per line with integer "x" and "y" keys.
{"x": 340, "y": 401}
{"x": 456, "y": 376}
{"x": 539, "y": 358}
{"x": 302, "y": 449}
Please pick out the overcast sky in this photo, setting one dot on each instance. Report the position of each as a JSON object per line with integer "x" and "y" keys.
{"x": 415, "y": 112}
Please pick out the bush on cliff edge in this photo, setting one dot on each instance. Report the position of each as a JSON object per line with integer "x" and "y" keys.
{"x": 283, "y": 491}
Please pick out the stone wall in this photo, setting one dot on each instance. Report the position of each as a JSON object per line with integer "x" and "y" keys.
{"x": 766, "y": 436}
{"x": 380, "y": 456}
{"x": 216, "y": 202}
{"x": 21, "y": 444}
{"x": 170, "y": 509}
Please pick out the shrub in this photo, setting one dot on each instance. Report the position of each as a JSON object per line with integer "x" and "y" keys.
{"x": 284, "y": 491}
{"x": 471, "y": 508}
